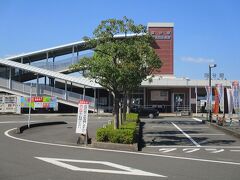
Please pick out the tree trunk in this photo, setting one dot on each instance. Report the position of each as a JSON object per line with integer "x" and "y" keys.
{"x": 116, "y": 110}
{"x": 120, "y": 115}
{"x": 124, "y": 106}
{"x": 128, "y": 103}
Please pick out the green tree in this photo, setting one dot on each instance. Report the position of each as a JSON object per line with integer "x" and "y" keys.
{"x": 122, "y": 59}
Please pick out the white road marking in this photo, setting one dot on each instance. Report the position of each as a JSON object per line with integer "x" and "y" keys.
{"x": 123, "y": 169}
{"x": 169, "y": 146}
{"x": 166, "y": 150}
{"x": 235, "y": 150}
{"x": 214, "y": 151}
{"x": 118, "y": 151}
{"x": 154, "y": 135}
{"x": 190, "y": 150}
{"x": 185, "y": 127}
{"x": 196, "y": 119}
{"x": 14, "y": 122}
{"x": 189, "y": 137}
{"x": 206, "y": 134}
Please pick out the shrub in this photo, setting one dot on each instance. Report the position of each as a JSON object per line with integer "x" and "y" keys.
{"x": 132, "y": 117}
{"x": 102, "y": 135}
{"x": 125, "y": 135}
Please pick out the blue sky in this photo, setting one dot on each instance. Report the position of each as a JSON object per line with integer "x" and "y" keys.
{"x": 206, "y": 31}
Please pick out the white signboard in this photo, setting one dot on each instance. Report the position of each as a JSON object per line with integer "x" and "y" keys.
{"x": 82, "y": 118}
{"x": 10, "y": 104}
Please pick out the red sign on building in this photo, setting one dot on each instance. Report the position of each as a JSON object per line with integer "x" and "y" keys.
{"x": 163, "y": 45}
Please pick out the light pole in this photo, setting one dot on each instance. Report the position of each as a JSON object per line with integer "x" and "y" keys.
{"x": 210, "y": 86}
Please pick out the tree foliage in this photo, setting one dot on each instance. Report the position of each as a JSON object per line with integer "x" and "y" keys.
{"x": 122, "y": 59}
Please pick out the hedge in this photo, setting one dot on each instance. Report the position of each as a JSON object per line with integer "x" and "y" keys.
{"x": 133, "y": 117}
{"x": 126, "y": 134}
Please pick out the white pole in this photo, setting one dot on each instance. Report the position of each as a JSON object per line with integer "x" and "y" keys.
{"x": 223, "y": 100}
{"x": 30, "y": 102}
{"x": 196, "y": 95}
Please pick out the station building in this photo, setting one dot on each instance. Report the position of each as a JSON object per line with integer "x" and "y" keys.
{"x": 45, "y": 72}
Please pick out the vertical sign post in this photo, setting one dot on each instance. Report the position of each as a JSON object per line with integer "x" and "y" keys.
{"x": 82, "y": 119}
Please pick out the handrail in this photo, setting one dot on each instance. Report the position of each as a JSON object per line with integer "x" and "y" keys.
{"x": 61, "y": 64}
{"x": 45, "y": 90}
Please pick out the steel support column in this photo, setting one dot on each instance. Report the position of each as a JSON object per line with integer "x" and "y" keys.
{"x": 144, "y": 96}
{"x": 10, "y": 78}
{"x": 37, "y": 88}
{"x": 84, "y": 91}
{"x": 94, "y": 99}
{"x": 190, "y": 94}
{"x": 47, "y": 60}
{"x": 65, "y": 96}
{"x": 72, "y": 54}
{"x": 53, "y": 66}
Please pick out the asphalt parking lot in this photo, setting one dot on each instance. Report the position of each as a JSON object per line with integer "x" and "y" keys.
{"x": 188, "y": 137}
{"x": 175, "y": 148}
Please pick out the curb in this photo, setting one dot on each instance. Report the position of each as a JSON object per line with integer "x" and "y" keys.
{"x": 226, "y": 130}
{"x": 123, "y": 147}
{"x": 20, "y": 129}
{"x": 115, "y": 146}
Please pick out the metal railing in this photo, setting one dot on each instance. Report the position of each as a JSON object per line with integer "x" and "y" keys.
{"x": 60, "y": 65}
{"x": 183, "y": 110}
{"x": 45, "y": 90}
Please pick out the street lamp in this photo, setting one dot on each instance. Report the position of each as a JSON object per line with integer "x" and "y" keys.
{"x": 210, "y": 86}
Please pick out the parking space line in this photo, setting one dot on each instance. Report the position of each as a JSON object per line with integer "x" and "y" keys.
{"x": 182, "y": 146}
{"x": 157, "y": 135}
{"x": 235, "y": 150}
{"x": 189, "y": 137}
{"x": 196, "y": 119}
{"x": 189, "y": 127}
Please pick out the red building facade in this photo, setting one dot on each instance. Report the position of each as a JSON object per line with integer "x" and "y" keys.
{"x": 164, "y": 39}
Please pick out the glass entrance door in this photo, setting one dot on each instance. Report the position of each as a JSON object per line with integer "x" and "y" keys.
{"x": 178, "y": 101}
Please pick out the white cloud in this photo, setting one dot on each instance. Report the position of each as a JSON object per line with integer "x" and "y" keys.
{"x": 197, "y": 60}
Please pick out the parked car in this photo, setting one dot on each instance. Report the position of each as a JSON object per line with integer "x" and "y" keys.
{"x": 145, "y": 111}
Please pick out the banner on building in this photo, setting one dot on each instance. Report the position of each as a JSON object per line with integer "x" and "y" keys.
{"x": 235, "y": 95}
{"x": 208, "y": 102}
{"x": 216, "y": 99}
{"x": 230, "y": 100}
{"x": 39, "y": 102}
{"x": 220, "y": 91}
{"x": 82, "y": 118}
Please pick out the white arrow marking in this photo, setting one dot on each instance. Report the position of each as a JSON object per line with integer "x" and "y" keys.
{"x": 215, "y": 150}
{"x": 190, "y": 150}
{"x": 123, "y": 169}
{"x": 166, "y": 150}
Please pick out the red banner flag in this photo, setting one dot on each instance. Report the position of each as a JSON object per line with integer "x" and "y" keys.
{"x": 216, "y": 104}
